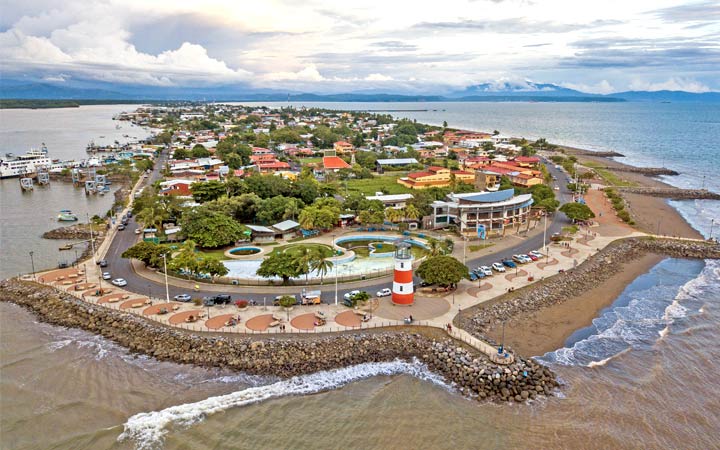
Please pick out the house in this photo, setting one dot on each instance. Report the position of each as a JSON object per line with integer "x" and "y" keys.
{"x": 176, "y": 187}
{"x": 341, "y": 147}
{"x": 481, "y": 213}
{"x": 333, "y": 164}
{"x": 396, "y": 201}
{"x": 382, "y": 164}
{"x": 436, "y": 177}
{"x": 261, "y": 234}
{"x": 527, "y": 161}
{"x": 287, "y": 229}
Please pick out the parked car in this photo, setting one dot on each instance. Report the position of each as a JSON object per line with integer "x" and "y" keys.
{"x": 119, "y": 282}
{"x": 121, "y": 227}
{"x": 138, "y": 231}
{"x": 478, "y": 273}
{"x": 383, "y": 292}
{"x": 532, "y": 257}
{"x": 509, "y": 263}
{"x": 103, "y": 263}
{"x": 518, "y": 259}
{"x": 183, "y": 297}
{"x": 486, "y": 270}
{"x": 106, "y": 276}
{"x": 350, "y": 295}
{"x": 498, "y": 267}
{"x": 129, "y": 214}
{"x": 536, "y": 254}
{"x": 219, "y": 299}
{"x": 473, "y": 277}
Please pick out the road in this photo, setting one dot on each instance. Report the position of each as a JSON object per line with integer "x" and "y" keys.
{"x": 120, "y": 267}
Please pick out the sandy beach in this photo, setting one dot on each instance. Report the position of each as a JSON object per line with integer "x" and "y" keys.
{"x": 548, "y": 329}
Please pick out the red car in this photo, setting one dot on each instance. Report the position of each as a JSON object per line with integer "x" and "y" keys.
{"x": 531, "y": 256}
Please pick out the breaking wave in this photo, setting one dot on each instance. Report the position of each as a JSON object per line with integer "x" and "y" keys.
{"x": 147, "y": 430}
{"x": 645, "y": 310}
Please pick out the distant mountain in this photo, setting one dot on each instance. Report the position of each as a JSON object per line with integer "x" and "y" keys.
{"x": 668, "y": 96}
{"x": 504, "y": 91}
{"x": 518, "y": 89}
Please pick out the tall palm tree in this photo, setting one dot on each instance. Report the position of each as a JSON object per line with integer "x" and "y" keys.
{"x": 393, "y": 215}
{"x": 411, "y": 212}
{"x": 304, "y": 259}
{"x": 291, "y": 209}
{"x": 307, "y": 218}
{"x": 320, "y": 264}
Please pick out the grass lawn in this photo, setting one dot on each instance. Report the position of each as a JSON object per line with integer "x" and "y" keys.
{"x": 610, "y": 177}
{"x": 293, "y": 250}
{"x": 476, "y": 247}
{"x": 369, "y": 186}
{"x": 217, "y": 252}
{"x": 311, "y": 160}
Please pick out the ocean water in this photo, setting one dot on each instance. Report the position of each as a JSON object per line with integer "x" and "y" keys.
{"x": 641, "y": 377}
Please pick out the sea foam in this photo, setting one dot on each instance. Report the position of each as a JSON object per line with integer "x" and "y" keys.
{"x": 147, "y": 430}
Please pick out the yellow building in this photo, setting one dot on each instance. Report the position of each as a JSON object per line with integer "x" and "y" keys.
{"x": 436, "y": 177}
{"x": 341, "y": 147}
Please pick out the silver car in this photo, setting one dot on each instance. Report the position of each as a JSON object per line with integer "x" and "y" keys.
{"x": 106, "y": 276}
{"x": 499, "y": 267}
{"x": 120, "y": 282}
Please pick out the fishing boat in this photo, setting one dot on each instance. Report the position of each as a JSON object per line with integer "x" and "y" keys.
{"x": 66, "y": 247}
{"x": 67, "y": 216}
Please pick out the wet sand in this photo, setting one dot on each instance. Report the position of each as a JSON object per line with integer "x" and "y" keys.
{"x": 548, "y": 329}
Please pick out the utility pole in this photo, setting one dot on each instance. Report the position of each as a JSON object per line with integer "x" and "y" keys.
{"x": 336, "y": 274}
{"x": 712, "y": 224}
{"x": 32, "y": 264}
{"x": 167, "y": 289}
{"x": 545, "y": 233}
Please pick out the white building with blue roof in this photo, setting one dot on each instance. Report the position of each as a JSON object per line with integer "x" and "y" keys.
{"x": 475, "y": 212}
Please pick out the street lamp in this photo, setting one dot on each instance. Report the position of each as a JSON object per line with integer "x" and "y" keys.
{"x": 336, "y": 274}
{"x": 32, "y": 264}
{"x": 712, "y": 223}
{"x": 167, "y": 289}
{"x": 92, "y": 238}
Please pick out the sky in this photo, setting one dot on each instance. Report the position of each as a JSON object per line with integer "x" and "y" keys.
{"x": 420, "y": 46}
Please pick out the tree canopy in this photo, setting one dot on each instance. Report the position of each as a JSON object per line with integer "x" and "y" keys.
{"x": 577, "y": 211}
{"x": 442, "y": 270}
{"x": 211, "y": 229}
{"x": 209, "y": 190}
{"x": 147, "y": 252}
{"x": 280, "y": 265}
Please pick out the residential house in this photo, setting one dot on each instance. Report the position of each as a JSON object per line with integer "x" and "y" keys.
{"x": 436, "y": 177}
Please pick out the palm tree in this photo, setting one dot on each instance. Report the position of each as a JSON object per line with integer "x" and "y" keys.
{"x": 320, "y": 264}
{"x": 307, "y": 218}
{"x": 393, "y": 215}
{"x": 411, "y": 212}
{"x": 434, "y": 246}
{"x": 304, "y": 260}
{"x": 291, "y": 209}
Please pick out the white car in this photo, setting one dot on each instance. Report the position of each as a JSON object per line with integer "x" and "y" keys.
{"x": 499, "y": 267}
{"x": 106, "y": 275}
{"x": 383, "y": 292}
{"x": 536, "y": 254}
{"x": 485, "y": 270}
{"x": 119, "y": 282}
{"x": 183, "y": 297}
{"x": 350, "y": 295}
{"x": 138, "y": 231}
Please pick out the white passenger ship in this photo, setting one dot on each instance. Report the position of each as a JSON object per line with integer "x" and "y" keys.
{"x": 25, "y": 165}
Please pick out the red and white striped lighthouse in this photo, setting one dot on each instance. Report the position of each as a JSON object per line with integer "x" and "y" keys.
{"x": 402, "y": 290}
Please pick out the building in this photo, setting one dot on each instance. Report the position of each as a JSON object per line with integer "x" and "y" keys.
{"x": 396, "y": 201}
{"x": 333, "y": 164}
{"x": 476, "y": 212}
{"x": 343, "y": 147}
{"x": 436, "y": 177}
{"x": 487, "y": 181}
{"x": 382, "y": 164}
{"x": 176, "y": 187}
{"x": 402, "y": 290}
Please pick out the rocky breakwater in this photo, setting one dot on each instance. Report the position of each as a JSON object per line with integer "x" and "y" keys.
{"x": 79, "y": 231}
{"x": 588, "y": 275}
{"x": 473, "y": 374}
{"x": 477, "y": 377}
{"x": 672, "y": 193}
{"x": 649, "y": 171}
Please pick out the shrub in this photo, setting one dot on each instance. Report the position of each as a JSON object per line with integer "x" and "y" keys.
{"x": 241, "y": 303}
{"x": 197, "y": 302}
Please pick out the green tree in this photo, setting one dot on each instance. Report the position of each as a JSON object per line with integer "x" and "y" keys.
{"x": 287, "y": 301}
{"x": 180, "y": 153}
{"x": 207, "y": 191}
{"x": 199, "y": 151}
{"x": 577, "y": 211}
{"x": 147, "y": 252}
{"x": 210, "y": 229}
{"x": 279, "y": 265}
{"x": 186, "y": 259}
{"x": 434, "y": 246}
{"x": 144, "y": 165}
{"x": 393, "y": 215}
{"x": 442, "y": 270}
{"x": 212, "y": 266}
{"x": 321, "y": 265}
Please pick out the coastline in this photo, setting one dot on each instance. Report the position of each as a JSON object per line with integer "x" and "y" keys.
{"x": 549, "y": 328}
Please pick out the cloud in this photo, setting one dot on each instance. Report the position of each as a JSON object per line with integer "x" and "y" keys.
{"x": 60, "y": 78}
{"x": 517, "y": 25}
{"x": 378, "y": 77}
{"x": 673, "y": 84}
{"x": 309, "y": 73}
{"x": 691, "y": 12}
{"x": 602, "y": 87}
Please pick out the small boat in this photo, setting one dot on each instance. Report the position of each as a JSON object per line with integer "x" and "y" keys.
{"x": 67, "y": 216}
{"x": 10, "y": 155}
{"x": 66, "y": 247}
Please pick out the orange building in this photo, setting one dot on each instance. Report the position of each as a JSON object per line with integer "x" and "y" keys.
{"x": 436, "y": 177}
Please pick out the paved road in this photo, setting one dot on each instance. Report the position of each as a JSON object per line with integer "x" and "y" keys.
{"x": 120, "y": 267}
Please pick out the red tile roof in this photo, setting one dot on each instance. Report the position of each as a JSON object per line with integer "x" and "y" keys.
{"x": 334, "y": 162}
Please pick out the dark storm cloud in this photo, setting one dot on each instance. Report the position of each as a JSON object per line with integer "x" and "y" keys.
{"x": 692, "y": 12}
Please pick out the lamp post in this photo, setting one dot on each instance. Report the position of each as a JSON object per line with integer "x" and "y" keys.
{"x": 85, "y": 270}
{"x": 712, "y": 223}
{"x": 32, "y": 264}
{"x": 336, "y": 274}
{"x": 167, "y": 289}
{"x": 545, "y": 233}
{"x": 76, "y": 258}
{"x": 92, "y": 238}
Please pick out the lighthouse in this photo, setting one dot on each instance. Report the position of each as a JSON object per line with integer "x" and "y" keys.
{"x": 402, "y": 290}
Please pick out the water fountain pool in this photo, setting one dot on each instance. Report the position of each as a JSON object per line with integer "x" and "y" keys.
{"x": 244, "y": 251}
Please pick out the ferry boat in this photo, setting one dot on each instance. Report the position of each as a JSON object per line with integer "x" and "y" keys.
{"x": 67, "y": 216}
{"x": 25, "y": 165}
